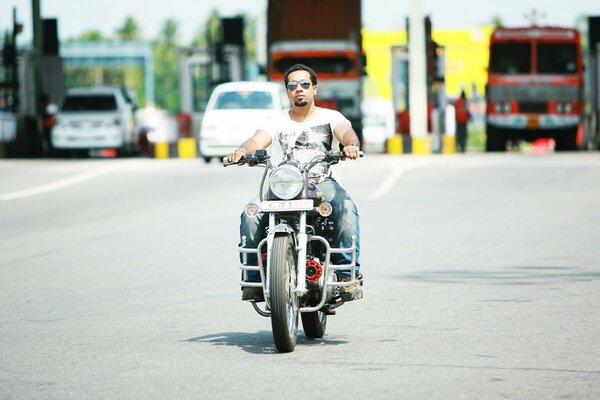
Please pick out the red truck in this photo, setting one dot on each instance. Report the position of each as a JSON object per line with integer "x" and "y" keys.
{"x": 535, "y": 86}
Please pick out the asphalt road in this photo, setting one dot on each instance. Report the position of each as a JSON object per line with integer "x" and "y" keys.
{"x": 119, "y": 280}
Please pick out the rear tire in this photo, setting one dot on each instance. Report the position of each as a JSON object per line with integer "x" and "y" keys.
{"x": 566, "y": 140}
{"x": 284, "y": 303}
{"x": 314, "y": 324}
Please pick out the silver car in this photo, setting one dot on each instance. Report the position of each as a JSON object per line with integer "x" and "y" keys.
{"x": 95, "y": 118}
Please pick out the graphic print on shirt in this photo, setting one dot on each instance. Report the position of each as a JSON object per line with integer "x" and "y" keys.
{"x": 307, "y": 143}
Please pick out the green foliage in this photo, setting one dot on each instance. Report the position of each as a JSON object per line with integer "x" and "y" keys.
{"x": 129, "y": 31}
{"x": 166, "y": 67}
{"x": 250, "y": 38}
{"x": 92, "y": 36}
{"x": 497, "y": 21}
{"x": 209, "y": 33}
{"x": 476, "y": 138}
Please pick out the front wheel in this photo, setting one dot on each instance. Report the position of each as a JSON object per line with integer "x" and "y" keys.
{"x": 284, "y": 303}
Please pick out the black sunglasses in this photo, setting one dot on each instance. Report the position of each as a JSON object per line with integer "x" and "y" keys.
{"x": 292, "y": 85}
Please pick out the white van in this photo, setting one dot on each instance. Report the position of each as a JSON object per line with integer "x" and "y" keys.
{"x": 94, "y": 118}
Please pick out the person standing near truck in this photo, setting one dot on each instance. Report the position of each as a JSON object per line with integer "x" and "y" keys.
{"x": 462, "y": 116}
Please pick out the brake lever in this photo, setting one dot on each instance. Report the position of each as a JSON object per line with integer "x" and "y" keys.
{"x": 226, "y": 162}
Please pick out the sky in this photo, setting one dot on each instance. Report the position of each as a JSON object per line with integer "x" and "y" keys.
{"x": 77, "y": 16}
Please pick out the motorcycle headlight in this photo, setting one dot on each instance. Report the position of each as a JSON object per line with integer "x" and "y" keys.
{"x": 286, "y": 182}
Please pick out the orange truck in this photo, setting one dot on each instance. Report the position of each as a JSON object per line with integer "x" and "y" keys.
{"x": 535, "y": 87}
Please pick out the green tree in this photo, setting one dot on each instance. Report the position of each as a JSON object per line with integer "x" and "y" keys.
{"x": 132, "y": 77}
{"x": 250, "y": 38}
{"x": 130, "y": 30}
{"x": 166, "y": 66}
{"x": 210, "y": 32}
{"x": 92, "y": 35}
{"x": 497, "y": 21}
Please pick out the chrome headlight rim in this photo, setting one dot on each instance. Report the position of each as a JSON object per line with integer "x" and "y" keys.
{"x": 286, "y": 182}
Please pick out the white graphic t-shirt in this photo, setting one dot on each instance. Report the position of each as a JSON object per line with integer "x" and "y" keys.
{"x": 304, "y": 140}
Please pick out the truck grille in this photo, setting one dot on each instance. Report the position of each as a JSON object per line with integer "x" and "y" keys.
{"x": 533, "y": 107}
{"x": 533, "y": 93}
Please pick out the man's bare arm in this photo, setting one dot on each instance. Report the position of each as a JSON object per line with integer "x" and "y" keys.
{"x": 260, "y": 140}
{"x": 349, "y": 139}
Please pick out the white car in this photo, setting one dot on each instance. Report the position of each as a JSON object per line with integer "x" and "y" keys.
{"x": 97, "y": 117}
{"x": 234, "y": 112}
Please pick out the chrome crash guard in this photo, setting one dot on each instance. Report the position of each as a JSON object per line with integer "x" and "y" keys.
{"x": 329, "y": 278}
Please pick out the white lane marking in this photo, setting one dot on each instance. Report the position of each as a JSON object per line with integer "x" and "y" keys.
{"x": 387, "y": 184}
{"x": 60, "y": 184}
{"x": 396, "y": 170}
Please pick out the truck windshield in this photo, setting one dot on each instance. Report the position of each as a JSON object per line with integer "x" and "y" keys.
{"x": 557, "y": 58}
{"x": 84, "y": 103}
{"x": 510, "y": 58}
{"x": 323, "y": 64}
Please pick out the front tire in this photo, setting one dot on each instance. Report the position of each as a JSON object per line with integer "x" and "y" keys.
{"x": 284, "y": 303}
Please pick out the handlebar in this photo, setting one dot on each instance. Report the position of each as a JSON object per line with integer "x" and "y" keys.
{"x": 261, "y": 156}
{"x": 251, "y": 159}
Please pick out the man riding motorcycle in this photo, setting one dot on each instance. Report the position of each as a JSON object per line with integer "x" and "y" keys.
{"x": 303, "y": 132}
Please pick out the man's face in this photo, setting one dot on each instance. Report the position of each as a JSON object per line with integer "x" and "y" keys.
{"x": 301, "y": 96}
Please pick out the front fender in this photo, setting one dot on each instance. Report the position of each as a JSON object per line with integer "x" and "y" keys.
{"x": 281, "y": 229}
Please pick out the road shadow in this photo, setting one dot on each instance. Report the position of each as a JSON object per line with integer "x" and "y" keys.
{"x": 514, "y": 275}
{"x": 260, "y": 342}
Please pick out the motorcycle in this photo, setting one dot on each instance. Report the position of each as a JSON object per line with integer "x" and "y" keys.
{"x": 293, "y": 261}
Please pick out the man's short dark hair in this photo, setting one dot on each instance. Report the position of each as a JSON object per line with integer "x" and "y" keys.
{"x": 301, "y": 67}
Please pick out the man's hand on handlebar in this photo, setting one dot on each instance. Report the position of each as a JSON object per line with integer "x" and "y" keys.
{"x": 236, "y": 155}
{"x": 352, "y": 151}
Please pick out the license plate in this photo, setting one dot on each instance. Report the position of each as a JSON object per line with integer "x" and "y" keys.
{"x": 533, "y": 122}
{"x": 287, "y": 205}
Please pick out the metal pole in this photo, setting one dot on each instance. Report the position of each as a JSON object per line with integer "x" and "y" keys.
{"x": 418, "y": 80}
{"x": 15, "y": 68}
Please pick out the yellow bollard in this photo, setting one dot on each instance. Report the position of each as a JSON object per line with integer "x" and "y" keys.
{"x": 161, "y": 150}
{"x": 186, "y": 148}
{"x": 394, "y": 145}
{"x": 448, "y": 144}
{"x": 421, "y": 145}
